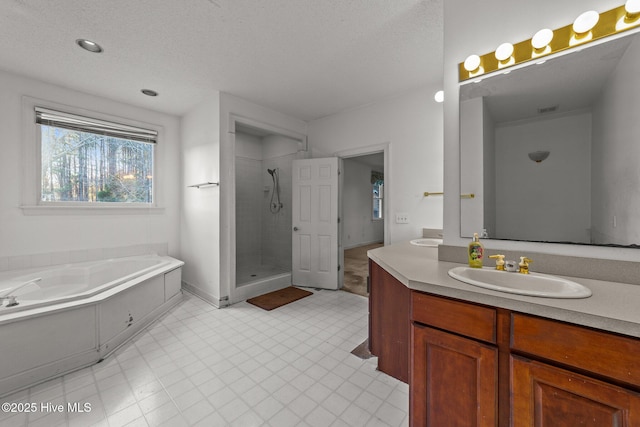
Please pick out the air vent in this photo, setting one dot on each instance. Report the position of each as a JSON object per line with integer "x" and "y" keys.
{"x": 545, "y": 110}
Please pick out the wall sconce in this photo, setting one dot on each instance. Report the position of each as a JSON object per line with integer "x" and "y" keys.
{"x": 588, "y": 26}
{"x": 539, "y": 156}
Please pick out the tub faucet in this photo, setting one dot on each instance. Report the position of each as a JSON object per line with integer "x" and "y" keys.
{"x": 12, "y": 298}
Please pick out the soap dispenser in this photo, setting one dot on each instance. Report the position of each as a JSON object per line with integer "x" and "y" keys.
{"x": 476, "y": 252}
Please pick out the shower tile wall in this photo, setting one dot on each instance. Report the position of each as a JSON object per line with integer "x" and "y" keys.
{"x": 248, "y": 212}
{"x": 263, "y": 238}
{"x": 276, "y": 230}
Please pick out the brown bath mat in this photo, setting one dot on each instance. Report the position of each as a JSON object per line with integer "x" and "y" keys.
{"x": 279, "y": 298}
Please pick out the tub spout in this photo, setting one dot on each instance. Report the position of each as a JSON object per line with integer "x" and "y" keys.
{"x": 12, "y": 298}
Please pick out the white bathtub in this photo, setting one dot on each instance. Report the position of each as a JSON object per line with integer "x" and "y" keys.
{"x": 76, "y": 314}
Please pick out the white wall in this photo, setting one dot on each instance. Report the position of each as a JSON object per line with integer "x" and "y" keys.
{"x": 199, "y": 227}
{"x": 412, "y": 125}
{"x": 24, "y": 235}
{"x": 479, "y": 27}
{"x": 357, "y": 207}
{"x": 550, "y": 200}
{"x": 615, "y": 168}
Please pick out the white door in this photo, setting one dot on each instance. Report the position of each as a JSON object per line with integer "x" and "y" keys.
{"x": 315, "y": 255}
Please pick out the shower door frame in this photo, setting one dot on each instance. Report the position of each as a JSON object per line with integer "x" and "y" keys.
{"x": 240, "y": 293}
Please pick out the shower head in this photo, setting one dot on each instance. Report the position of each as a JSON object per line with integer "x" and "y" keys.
{"x": 271, "y": 171}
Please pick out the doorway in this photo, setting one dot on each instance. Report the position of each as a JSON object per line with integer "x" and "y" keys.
{"x": 364, "y": 207}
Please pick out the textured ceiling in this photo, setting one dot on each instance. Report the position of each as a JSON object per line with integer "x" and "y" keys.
{"x": 306, "y": 58}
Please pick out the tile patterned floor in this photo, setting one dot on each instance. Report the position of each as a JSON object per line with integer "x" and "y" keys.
{"x": 239, "y": 366}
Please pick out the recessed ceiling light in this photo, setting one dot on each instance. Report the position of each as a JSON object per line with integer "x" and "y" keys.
{"x": 89, "y": 45}
{"x": 149, "y": 92}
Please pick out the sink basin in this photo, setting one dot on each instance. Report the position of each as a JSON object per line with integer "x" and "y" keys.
{"x": 427, "y": 242}
{"x": 532, "y": 284}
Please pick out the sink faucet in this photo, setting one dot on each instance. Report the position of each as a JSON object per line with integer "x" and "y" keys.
{"x": 524, "y": 265}
{"x": 499, "y": 261}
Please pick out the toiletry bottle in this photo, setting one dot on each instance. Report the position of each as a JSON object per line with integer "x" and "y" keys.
{"x": 476, "y": 252}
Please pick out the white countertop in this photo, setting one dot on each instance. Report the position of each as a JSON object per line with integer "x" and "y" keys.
{"x": 613, "y": 307}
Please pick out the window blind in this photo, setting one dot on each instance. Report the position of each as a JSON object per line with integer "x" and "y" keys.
{"x": 59, "y": 119}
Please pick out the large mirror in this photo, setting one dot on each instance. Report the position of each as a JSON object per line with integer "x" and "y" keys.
{"x": 583, "y": 108}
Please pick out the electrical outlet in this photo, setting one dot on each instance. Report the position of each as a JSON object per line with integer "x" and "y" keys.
{"x": 402, "y": 218}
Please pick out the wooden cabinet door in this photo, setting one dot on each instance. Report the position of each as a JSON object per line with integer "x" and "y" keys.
{"x": 389, "y": 322}
{"x": 454, "y": 380}
{"x": 546, "y": 396}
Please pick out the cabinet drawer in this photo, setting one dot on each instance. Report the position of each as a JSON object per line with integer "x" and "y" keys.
{"x": 462, "y": 318}
{"x": 602, "y": 353}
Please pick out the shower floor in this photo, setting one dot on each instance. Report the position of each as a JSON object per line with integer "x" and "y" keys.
{"x": 249, "y": 274}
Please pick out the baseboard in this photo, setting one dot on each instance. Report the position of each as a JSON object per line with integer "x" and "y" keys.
{"x": 211, "y": 299}
{"x": 357, "y": 245}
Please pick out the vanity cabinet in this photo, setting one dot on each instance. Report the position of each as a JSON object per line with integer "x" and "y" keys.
{"x": 582, "y": 376}
{"x": 454, "y": 376}
{"x": 389, "y": 322}
{"x": 475, "y": 365}
{"x": 544, "y": 395}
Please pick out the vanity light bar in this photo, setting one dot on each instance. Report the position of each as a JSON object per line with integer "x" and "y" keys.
{"x": 610, "y": 22}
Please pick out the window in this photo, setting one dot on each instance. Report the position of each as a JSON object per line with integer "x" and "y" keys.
{"x": 93, "y": 161}
{"x": 377, "y": 181}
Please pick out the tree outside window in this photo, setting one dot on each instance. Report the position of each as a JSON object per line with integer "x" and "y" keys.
{"x": 85, "y": 167}
{"x": 83, "y": 159}
{"x": 377, "y": 181}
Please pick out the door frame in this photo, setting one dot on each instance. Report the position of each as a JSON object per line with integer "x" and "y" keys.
{"x": 384, "y": 148}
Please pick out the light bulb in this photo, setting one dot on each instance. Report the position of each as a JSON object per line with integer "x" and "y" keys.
{"x": 585, "y": 22}
{"x": 439, "y": 96}
{"x": 542, "y": 38}
{"x": 632, "y": 7}
{"x": 504, "y": 51}
{"x": 472, "y": 63}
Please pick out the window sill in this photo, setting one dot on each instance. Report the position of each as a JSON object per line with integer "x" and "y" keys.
{"x": 90, "y": 210}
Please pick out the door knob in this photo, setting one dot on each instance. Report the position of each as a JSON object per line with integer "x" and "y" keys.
{"x": 295, "y": 228}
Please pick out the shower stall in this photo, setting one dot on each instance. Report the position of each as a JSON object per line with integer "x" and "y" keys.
{"x": 263, "y": 165}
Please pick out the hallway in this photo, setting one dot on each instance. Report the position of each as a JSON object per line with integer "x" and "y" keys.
{"x": 356, "y": 269}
